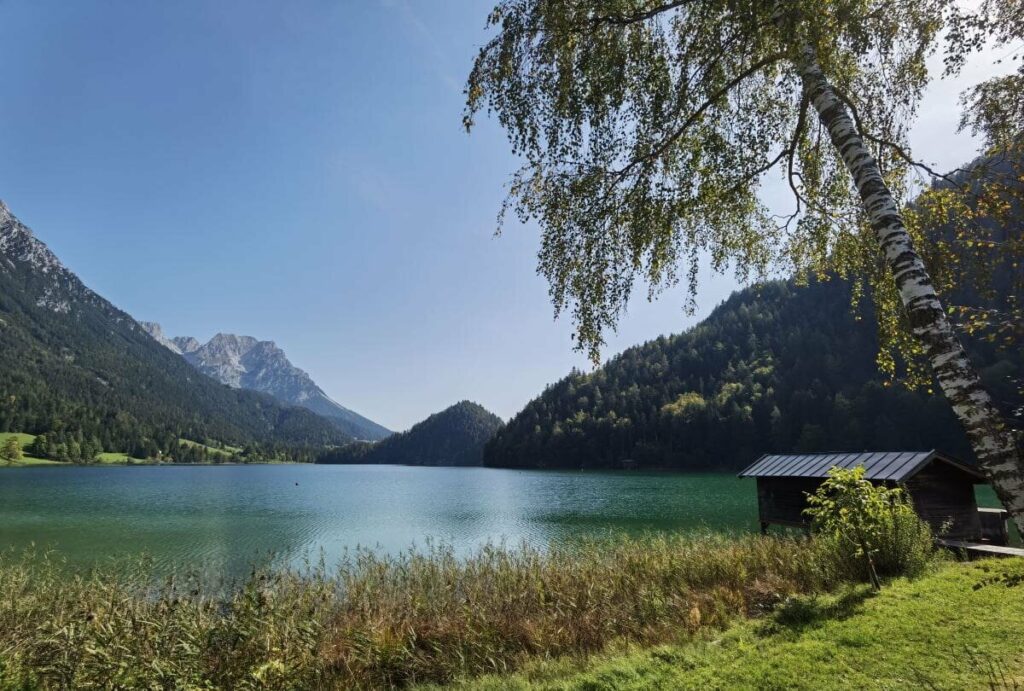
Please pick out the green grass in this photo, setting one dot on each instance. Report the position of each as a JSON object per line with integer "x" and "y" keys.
{"x": 381, "y": 621}
{"x": 657, "y": 612}
{"x": 25, "y": 440}
{"x": 957, "y": 628}
{"x": 116, "y": 457}
{"x": 108, "y": 457}
{"x": 225, "y": 452}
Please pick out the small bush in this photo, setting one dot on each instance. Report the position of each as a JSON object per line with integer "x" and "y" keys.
{"x": 872, "y": 529}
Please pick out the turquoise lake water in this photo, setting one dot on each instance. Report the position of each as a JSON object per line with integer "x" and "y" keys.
{"x": 229, "y": 517}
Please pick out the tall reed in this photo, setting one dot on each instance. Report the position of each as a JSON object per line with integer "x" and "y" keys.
{"x": 386, "y": 621}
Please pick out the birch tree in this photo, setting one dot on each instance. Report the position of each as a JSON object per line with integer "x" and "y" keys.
{"x": 990, "y": 194}
{"x": 647, "y": 127}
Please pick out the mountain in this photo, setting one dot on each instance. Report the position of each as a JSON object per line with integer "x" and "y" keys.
{"x": 72, "y": 364}
{"x": 157, "y": 332}
{"x": 776, "y": 368}
{"x": 784, "y": 367}
{"x": 242, "y": 362}
{"x": 453, "y": 437}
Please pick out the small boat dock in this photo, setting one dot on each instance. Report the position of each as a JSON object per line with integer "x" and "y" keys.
{"x": 978, "y": 550}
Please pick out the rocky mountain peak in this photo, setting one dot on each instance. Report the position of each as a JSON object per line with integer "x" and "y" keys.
{"x": 157, "y": 332}
{"x": 244, "y": 362}
{"x": 233, "y": 342}
{"x": 17, "y": 243}
{"x": 186, "y": 344}
{"x": 68, "y": 353}
{"x": 55, "y": 287}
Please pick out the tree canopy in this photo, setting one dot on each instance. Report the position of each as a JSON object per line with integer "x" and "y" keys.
{"x": 646, "y": 126}
{"x": 646, "y": 130}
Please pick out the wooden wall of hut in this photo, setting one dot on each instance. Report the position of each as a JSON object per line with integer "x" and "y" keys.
{"x": 782, "y": 500}
{"x": 944, "y": 497}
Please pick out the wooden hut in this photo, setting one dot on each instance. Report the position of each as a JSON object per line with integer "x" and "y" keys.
{"x": 941, "y": 487}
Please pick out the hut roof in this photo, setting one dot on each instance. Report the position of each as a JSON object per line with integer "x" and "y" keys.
{"x": 893, "y": 466}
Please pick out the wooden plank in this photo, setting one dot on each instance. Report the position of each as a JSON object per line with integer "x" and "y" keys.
{"x": 944, "y": 497}
{"x": 979, "y": 548}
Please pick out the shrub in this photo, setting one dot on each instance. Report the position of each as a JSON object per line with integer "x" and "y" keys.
{"x": 872, "y": 529}
{"x": 10, "y": 449}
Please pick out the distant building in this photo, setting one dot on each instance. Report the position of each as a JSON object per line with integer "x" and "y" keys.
{"x": 940, "y": 487}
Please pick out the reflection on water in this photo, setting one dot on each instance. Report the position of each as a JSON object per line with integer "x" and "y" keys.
{"x": 228, "y": 517}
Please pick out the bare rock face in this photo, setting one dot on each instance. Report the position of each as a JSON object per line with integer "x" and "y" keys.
{"x": 226, "y": 358}
{"x": 186, "y": 344}
{"x": 18, "y": 244}
{"x": 53, "y": 286}
{"x": 179, "y": 346}
{"x": 244, "y": 362}
{"x": 155, "y": 330}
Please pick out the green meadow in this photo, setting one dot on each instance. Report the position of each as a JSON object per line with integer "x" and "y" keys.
{"x": 957, "y": 627}
{"x": 106, "y": 457}
{"x": 25, "y": 440}
{"x": 634, "y": 613}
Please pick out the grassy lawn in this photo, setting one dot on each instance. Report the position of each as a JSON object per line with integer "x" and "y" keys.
{"x": 116, "y": 457}
{"x": 226, "y": 452}
{"x": 107, "y": 457}
{"x": 25, "y": 440}
{"x": 958, "y": 628}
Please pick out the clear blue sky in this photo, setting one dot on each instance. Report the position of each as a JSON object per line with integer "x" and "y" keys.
{"x": 297, "y": 171}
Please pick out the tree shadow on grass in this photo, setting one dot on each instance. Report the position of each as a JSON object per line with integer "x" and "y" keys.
{"x": 801, "y": 614}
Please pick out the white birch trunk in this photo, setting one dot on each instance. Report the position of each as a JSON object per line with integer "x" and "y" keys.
{"x": 992, "y": 441}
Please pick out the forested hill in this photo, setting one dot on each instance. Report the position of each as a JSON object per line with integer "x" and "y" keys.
{"x": 453, "y": 437}
{"x": 79, "y": 370}
{"x": 776, "y": 367}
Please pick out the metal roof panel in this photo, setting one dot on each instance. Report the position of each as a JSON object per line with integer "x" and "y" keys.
{"x": 878, "y": 465}
{"x": 906, "y": 467}
{"x": 805, "y": 466}
{"x": 894, "y": 460}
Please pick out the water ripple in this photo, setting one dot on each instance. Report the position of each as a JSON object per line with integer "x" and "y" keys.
{"x": 229, "y": 517}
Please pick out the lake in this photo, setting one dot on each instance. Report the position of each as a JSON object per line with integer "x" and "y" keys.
{"x": 229, "y": 517}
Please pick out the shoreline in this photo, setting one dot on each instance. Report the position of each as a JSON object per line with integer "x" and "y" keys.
{"x": 44, "y": 463}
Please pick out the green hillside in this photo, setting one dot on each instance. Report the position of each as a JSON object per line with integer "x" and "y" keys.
{"x": 778, "y": 367}
{"x": 75, "y": 367}
{"x": 453, "y": 437}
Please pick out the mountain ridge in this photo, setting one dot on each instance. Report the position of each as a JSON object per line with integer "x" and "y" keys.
{"x": 72, "y": 363}
{"x": 245, "y": 362}
{"x": 778, "y": 367}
